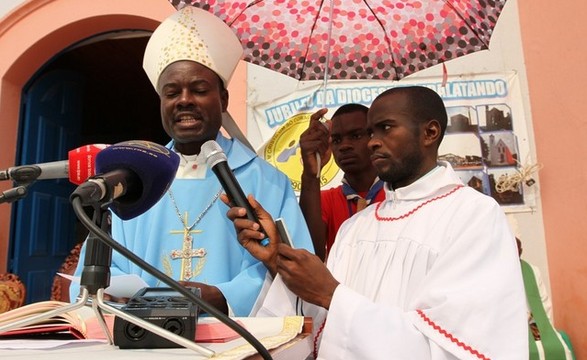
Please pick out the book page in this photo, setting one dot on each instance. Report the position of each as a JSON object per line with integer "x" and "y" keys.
{"x": 73, "y": 321}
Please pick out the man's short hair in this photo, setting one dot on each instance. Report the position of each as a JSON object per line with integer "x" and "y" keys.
{"x": 425, "y": 104}
{"x": 350, "y": 108}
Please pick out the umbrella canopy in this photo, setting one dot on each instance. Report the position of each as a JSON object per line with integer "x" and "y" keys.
{"x": 355, "y": 39}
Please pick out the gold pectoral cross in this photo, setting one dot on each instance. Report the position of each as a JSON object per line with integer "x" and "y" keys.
{"x": 187, "y": 253}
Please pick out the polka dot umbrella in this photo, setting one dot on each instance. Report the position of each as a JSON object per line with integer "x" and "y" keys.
{"x": 355, "y": 39}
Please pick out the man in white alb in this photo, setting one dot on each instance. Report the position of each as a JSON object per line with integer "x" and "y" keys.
{"x": 432, "y": 272}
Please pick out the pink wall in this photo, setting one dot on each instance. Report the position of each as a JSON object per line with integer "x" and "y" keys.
{"x": 555, "y": 59}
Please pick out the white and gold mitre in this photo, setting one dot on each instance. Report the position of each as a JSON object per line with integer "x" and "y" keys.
{"x": 193, "y": 34}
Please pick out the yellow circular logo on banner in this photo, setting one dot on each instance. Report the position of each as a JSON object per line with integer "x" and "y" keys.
{"x": 283, "y": 151}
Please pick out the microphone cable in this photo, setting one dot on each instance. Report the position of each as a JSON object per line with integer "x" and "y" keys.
{"x": 106, "y": 238}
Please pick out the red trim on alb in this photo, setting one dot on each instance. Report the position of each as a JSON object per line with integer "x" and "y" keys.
{"x": 451, "y": 337}
{"x": 382, "y": 218}
{"x": 316, "y": 339}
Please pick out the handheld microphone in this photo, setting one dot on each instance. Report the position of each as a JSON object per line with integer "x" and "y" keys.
{"x": 217, "y": 161}
{"x": 132, "y": 177}
{"x": 78, "y": 167}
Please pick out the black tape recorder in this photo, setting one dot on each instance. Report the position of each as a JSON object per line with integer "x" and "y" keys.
{"x": 164, "y": 307}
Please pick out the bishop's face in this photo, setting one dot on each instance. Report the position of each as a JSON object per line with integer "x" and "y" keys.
{"x": 192, "y": 102}
{"x": 396, "y": 140}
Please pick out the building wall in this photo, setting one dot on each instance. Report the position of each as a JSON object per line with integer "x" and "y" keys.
{"x": 555, "y": 65}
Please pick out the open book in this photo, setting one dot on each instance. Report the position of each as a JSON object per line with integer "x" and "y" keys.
{"x": 73, "y": 324}
{"x": 287, "y": 337}
{"x": 82, "y": 323}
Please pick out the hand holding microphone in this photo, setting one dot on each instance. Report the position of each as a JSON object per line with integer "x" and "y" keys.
{"x": 250, "y": 237}
{"x": 217, "y": 161}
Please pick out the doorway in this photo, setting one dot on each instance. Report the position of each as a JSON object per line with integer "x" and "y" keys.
{"x": 117, "y": 103}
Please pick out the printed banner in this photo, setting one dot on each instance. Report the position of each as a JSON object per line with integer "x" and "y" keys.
{"x": 486, "y": 140}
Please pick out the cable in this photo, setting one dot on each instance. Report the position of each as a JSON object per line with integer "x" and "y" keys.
{"x": 89, "y": 224}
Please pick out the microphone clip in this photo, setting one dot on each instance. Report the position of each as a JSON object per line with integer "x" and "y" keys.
{"x": 25, "y": 174}
{"x": 14, "y": 194}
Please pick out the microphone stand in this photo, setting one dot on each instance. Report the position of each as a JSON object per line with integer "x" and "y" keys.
{"x": 95, "y": 278}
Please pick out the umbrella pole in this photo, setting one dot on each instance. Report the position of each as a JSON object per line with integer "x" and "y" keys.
{"x": 325, "y": 82}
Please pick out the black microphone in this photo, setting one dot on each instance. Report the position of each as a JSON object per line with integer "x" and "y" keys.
{"x": 132, "y": 177}
{"x": 78, "y": 167}
{"x": 216, "y": 160}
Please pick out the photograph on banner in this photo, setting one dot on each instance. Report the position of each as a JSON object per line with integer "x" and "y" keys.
{"x": 486, "y": 140}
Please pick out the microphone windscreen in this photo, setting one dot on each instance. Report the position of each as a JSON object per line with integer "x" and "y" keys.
{"x": 154, "y": 164}
{"x": 213, "y": 153}
{"x": 82, "y": 162}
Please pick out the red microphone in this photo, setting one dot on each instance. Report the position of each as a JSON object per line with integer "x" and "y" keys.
{"x": 81, "y": 164}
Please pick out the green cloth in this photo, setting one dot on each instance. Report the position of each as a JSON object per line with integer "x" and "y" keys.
{"x": 551, "y": 343}
{"x": 567, "y": 341}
